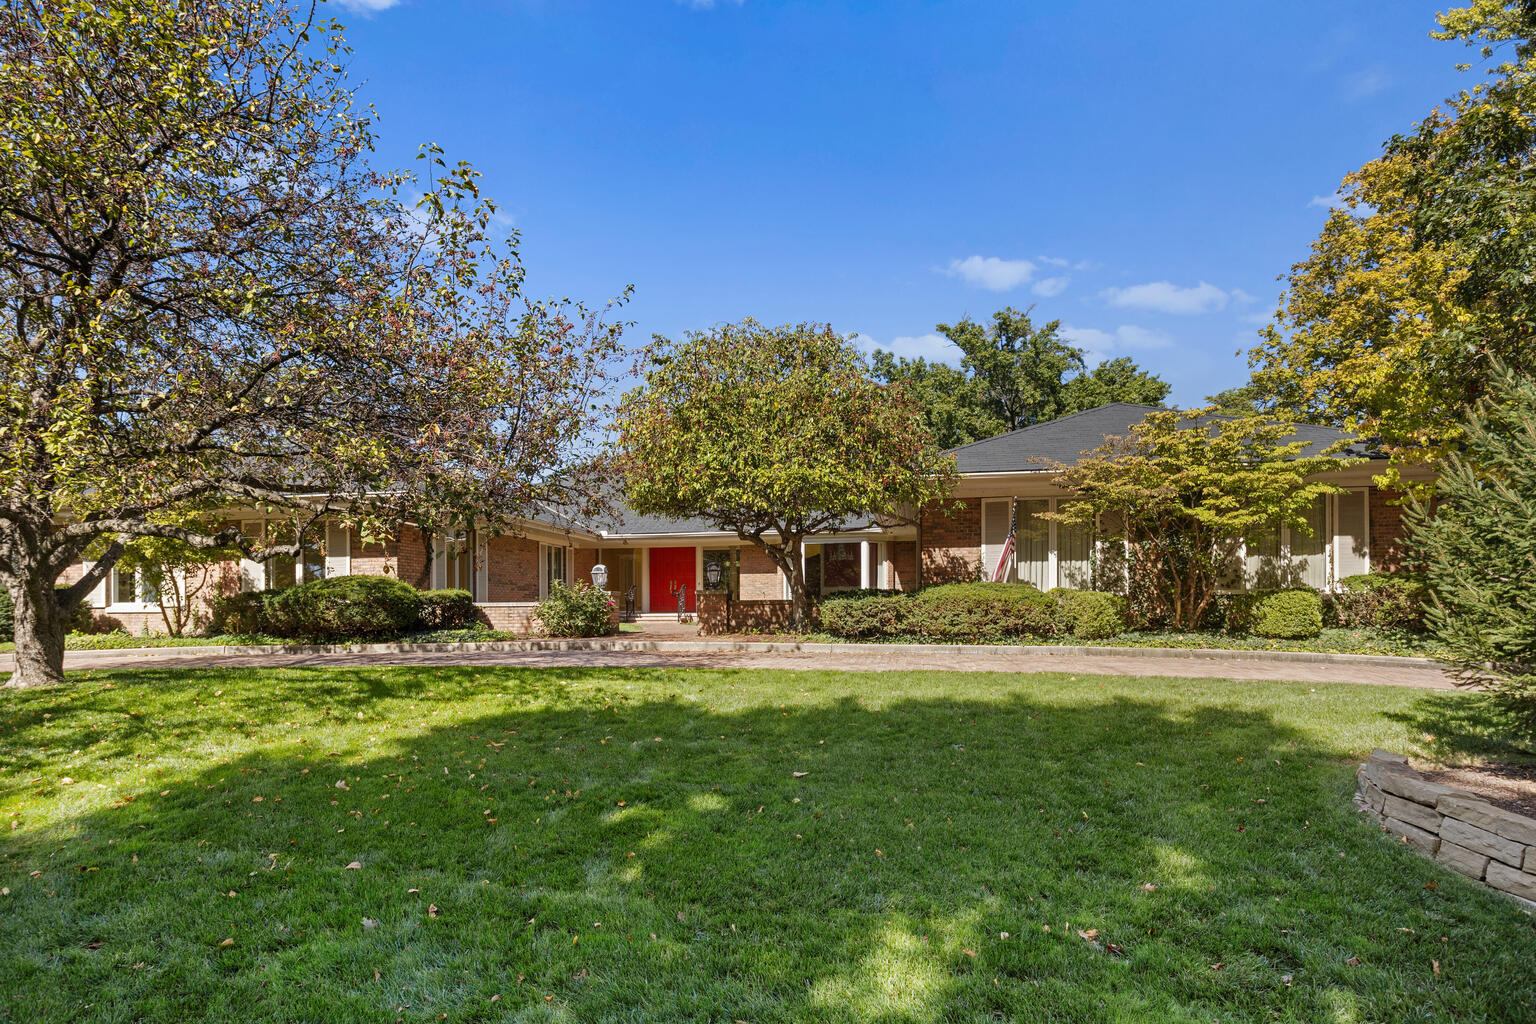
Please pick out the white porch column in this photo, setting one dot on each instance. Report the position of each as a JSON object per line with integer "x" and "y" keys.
{"x": 863, "y": 565}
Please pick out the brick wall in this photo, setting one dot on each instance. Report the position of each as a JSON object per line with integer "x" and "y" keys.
{"x": 510, "y": 618}
{"x": 718, "y": 617}
{"x": 760, "y": 578}
{"x": 411, "y": 560}
{"x": 378, "y": 559}
{"x": 1456, "y": 828}
{"x": 582, "y": 564}
{"x": 513, "y": 572}
{"x": 1387, "y": 534}
{"x": 951, "y": 545}
{"x": 902, "y": 571}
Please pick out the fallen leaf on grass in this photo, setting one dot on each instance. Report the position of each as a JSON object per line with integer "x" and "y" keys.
{"x": 431, "y": 909}
{"x": 227, "y": 942}
{"x": 355, "y": 866}
{"x": 970, "y": 953}
{"x": 369, "y": 924}
{"x": 799, "y": 775}
{"x": 1285, "y": 979}
{"x": 1353, "y": 961}
{"x": 1435, "y": 966}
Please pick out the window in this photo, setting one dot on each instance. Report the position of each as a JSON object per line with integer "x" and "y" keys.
{"x": 1033, "y": 542}
{"x": 553, "y": 567}
{"x": 1280, "y": 556}
{"x": 130, "y": 586}
{"x": 1074, "y": 554}
{"x": 456, "y": 556}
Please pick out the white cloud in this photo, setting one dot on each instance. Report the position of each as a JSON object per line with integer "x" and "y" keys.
{"x": 1049, "y": 287}
{"x": 933, "y": 347}
{"x": 1057, "y": 261}
{"x": 706, "y": 5}
{"x": 368, "y": 6}
{"x": 1099, "y": 345}
{"x": 1167, "y": 297}
{"x": 1238, "y": 295}
{"x": 1366, "y": 83}
{"x": 992, "y": 273}
{"x": 1328, "y": 202}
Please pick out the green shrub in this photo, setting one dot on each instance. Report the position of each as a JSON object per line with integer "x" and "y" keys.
{"x": 981, "y": 613}
{"x": 1383, "y": 600}
{"x": 343, "y": 608}
{"x": 1089, "y": 614}
{"x": 1277, "y": 614}
{"x": 448, "y": 609}
{"x": 576, "y": 611}
{"x": 243, "y": 614}
{"x": 866, "y": 616}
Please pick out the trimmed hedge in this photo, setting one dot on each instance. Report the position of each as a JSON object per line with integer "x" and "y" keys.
{"x": 1277, "y": 614}
{"x": 951, "y": 613}
{"x": 576, "y": 611}
{"x": 448, "y": 609}
{"x": 344, "y": 607}
{"x": 243, "y": 614}
{"x": 1089, "y": 614}
{"x": 1385, "y": 600}
{"x": 866, "y": 616}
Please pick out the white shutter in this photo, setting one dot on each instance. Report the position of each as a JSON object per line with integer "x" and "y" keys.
{"x": 482, "y": 568}
{"x": 439, "y": 562}
{"x": 98, "y": 596}
{"x": 338, "y": 550}
{"x": 253, "y": 575}
{"x": 1351, "y": 538}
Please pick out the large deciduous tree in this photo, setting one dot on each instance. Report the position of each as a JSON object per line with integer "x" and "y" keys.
{"x": 1182, "y": 490}
{"x": 208, "y": 298}
{"x": 1421, "y": 278}
{"x": 1012, "y": 374}
{"x": 776, "y": 434}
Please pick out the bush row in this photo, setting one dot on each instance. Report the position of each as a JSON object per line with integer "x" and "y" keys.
{"x": 991, "y": 612}
{"x": 975, "y": 613}
{"x": 342, "y": 608}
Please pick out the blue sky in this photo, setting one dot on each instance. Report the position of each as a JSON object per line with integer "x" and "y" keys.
{"x": 1143, "y": 172}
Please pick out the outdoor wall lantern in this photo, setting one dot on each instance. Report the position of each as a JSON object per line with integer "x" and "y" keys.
{"x": 600, "y": 576}
{"x": 712, "y": 572}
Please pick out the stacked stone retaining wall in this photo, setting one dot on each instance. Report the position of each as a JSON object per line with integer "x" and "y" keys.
{"x": 1456, "y": 828}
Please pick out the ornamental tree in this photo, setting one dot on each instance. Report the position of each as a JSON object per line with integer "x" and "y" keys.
{"x": 209, "y": 299}
{"x": 1421, "y": 278}
{"x": 776, "y": 434}
{"x": 1182, "y": 490}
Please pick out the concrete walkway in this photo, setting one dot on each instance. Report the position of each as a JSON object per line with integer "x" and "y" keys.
{"x": 1256, "y": 665}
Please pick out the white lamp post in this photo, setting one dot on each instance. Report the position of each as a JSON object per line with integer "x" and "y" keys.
{"x": 600, "y": 576}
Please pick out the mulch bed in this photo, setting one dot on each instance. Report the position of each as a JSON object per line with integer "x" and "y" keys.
{"x": 1510, "y": 786}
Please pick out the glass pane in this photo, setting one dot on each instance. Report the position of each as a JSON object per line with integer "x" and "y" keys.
{"x": 1309, "y": 558}
{"x": 1264, "y": 566}
{"x": 1074, "y": 553}
{"x": 122, "y": 592}
{"x": 1034, "y": 543}
{"x": 312, "y": 563}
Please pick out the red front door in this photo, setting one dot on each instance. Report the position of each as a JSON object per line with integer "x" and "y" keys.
{"x": 671, "y": 568}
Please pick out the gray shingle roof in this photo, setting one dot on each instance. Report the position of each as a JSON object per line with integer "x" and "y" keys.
{"x": 1064, "y": 440}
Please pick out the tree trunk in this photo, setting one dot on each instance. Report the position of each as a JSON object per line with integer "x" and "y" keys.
{"x": 40, "y": 629}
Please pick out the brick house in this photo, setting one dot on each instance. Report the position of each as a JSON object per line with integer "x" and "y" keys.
{"x": 509, "y": 567}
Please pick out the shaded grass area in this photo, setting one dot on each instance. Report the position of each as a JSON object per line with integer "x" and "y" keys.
{"x": 1332, "y": 640}
{"x": 579, "y": 845}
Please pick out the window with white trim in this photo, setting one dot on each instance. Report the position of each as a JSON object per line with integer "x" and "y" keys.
{"x": 552, "y": 567}
{"x": 131, "y": 588}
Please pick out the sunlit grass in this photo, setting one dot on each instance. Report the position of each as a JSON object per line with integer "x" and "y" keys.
{"x": 747, "y": 845}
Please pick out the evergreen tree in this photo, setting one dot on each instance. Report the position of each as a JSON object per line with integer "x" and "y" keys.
{"x": 1478, "y": 550}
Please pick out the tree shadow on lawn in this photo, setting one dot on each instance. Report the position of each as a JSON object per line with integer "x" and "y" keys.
{"x": 1461, "y": 727}
{"x": 613, "y": 851}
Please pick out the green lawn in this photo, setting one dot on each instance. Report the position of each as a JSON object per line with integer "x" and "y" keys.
{"x": 611, "y": 845}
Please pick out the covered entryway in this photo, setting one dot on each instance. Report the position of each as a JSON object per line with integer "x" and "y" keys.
{"x": 671, "y": 568}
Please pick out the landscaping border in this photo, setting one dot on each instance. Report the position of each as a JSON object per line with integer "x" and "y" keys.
{"x": 1454, "y": 827}
{"x": 779, "y": 646}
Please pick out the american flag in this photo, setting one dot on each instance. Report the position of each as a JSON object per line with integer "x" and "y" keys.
{"x": 1002, "y": 560}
